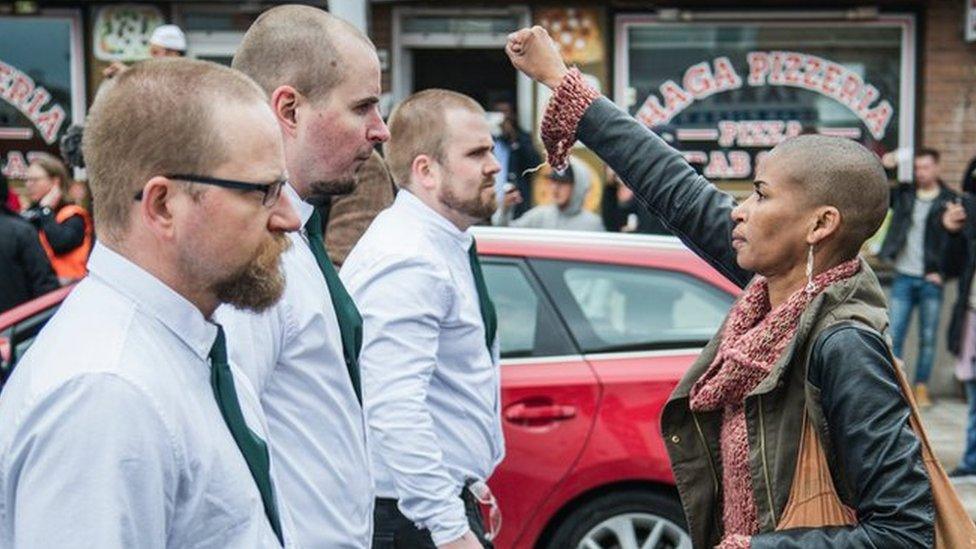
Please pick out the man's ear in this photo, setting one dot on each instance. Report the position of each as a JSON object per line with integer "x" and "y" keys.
{"x": 425, "y": 171}
{"x": 156, "y": 206}
{"x": 285, "y": 101}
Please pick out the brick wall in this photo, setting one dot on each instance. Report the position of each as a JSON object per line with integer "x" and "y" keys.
{"x": 947, "y": 103}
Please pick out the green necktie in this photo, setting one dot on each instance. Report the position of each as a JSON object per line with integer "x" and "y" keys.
{"x": 350, "y": 321}
{"x": 252, "y": 447}
{"x": 488, "y": 315}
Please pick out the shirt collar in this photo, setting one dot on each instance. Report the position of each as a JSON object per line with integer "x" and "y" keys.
{"x": 302, "y": 208}
{"x": 415, "y": 207}
{"x": 154, "y": 298}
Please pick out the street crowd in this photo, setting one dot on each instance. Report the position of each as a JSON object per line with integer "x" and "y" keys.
{"x": 282, "y": 338}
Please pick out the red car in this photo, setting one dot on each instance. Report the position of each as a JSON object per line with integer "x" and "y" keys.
{"x": 595, "y": 331}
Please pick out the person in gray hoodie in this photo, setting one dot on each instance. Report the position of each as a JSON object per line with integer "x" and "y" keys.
{"x": 566, "y": 211}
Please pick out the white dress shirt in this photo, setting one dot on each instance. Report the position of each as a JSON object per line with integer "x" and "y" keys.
{"x": 293, "y": 355}
{"x": 431, "y": 386}
{"x": 111, "y": 434}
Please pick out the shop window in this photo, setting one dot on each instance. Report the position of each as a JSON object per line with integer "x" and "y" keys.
{"x": 726, "y": 92}
{"x": 40, "y": 88}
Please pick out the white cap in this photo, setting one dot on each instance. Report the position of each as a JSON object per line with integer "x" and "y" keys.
{"x": 169, "y": 37}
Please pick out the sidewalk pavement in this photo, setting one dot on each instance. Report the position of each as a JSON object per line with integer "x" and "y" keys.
{"x": 945, "y": 423}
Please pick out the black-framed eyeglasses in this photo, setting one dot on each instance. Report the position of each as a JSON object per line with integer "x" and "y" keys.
{"x": 272, "y": 191}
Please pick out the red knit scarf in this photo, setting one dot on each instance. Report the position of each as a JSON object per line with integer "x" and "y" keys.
{"x": 753, "y": 340}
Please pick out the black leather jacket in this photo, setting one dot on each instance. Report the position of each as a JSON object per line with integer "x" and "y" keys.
{"x": 902, "y": 203}
{"x": 25, "y": 272}
{"x": 959, "y": 260}
{"x": 874, "y": 455}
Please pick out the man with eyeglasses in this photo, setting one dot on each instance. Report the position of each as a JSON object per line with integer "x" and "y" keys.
{"x": 323, "y": 79}
{"x": 125, "y": 425}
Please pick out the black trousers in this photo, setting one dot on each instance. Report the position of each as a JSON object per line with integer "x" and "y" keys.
{"x": 392, "y": 530}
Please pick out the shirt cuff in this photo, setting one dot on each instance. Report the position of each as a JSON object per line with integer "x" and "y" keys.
{"x": 565, "y": 110}
{"x": 450, "y": 525}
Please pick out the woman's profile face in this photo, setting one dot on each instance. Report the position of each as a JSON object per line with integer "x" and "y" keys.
{"x": 38, "y": 183}
{"x": 770, "y": 230}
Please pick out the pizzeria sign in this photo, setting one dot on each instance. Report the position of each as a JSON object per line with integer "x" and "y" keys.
{"x": 771, "y": 68}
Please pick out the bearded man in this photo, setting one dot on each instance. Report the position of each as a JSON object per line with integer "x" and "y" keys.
{"x": 124, "y": 424}
{"x": 430, "y": 353}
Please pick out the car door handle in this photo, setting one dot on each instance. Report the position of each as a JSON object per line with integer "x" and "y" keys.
{"x": 521, "y": 412}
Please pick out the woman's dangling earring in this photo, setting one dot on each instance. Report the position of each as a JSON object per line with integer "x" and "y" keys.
{"x": 810, "y": 287}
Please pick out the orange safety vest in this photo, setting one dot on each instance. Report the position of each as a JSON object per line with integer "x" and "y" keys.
{"x": 71, "y": 265}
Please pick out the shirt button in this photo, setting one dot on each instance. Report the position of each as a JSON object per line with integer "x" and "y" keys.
{"x": 675, "y": 439}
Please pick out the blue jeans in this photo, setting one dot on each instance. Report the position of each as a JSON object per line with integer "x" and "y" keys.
{"x": 907, "y": 292}
{"x": 969, "y": 455}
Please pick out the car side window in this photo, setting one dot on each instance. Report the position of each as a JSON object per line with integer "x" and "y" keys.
{"x": 618, "y": 308}
{"x": 15, "y": 340}
{"x": 527, "y": 325}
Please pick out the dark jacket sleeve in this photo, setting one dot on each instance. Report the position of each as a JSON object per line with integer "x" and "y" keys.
{"x": 959, "y": 246}
{"x": 40, "y": 276}
{"x": 691, "y": 207}
{"x": 65, "y": 236}
{"x": 528, "y": 155}
{"x": 936, "y": 236}
{"x": 968, "y": 182}
{"x": 878, "y": 452}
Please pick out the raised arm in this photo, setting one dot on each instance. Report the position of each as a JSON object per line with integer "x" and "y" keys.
{"x": 663, "y": 182}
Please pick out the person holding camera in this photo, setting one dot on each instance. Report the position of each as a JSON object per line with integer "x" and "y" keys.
{"x": 65, "y": 228}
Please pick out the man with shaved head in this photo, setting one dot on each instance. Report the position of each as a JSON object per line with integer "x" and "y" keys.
{"x": 322, "y": 77}
{"x": 430, "y": 356}
{"x": 125, "y": 425}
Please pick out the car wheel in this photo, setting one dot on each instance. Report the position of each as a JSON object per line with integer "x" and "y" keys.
{"x": 624, "y": 520}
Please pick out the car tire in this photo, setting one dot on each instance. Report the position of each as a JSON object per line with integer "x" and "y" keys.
{"x": 623, "y": 520}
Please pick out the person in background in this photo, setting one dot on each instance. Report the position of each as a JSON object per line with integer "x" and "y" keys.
{"x": 166, "y": 41}
{"x": 569, "y": 188}
{"x": 65, "y": 228}
{"x": 622, "y": 213}
{"x": 959, "y": 220}
{"x": 914, "y": 245}
{"x": 25, "y": 271}
{"x": 516, "y": 153}
{"x": 350, "y": 214}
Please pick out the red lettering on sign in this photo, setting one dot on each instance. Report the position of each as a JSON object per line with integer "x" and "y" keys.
{"x": 811, "y": 76}
{"x": 698, "y": 80}
{"x": 831, "y": 72}
{"x": 651, "y": 113}
{"x": 868, "y": 96}
{"x": 675, "y": 98}
{"x": 16, "y": 166}
{"x": 877, "y": 119}
{"x": 37, "y": 101}
{"x": 758, "y": 67}
{"x": 727, "y": 131}
{"x": 50, "y": 122}
{"x": 849, "y": 89}
{"x": 793, "y": 63}
{"x": 725, "y": 76}
{"x": 776, "y": 73}
{"x": 22, "y": 87}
